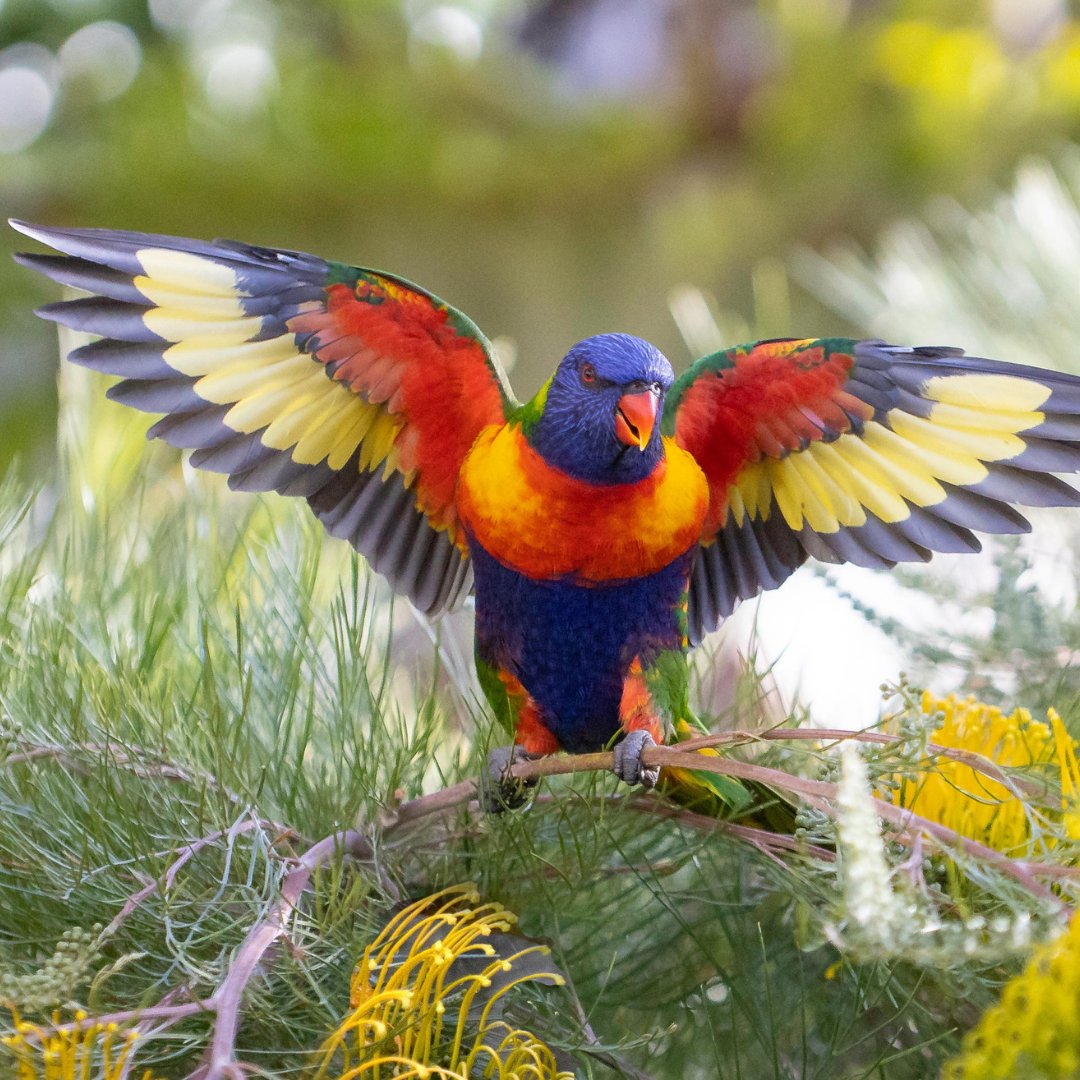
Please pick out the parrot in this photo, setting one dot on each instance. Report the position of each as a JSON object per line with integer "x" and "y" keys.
{"x": 606, "y": 525}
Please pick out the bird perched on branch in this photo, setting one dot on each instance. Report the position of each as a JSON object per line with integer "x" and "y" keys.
{"x": 606, "y": 525}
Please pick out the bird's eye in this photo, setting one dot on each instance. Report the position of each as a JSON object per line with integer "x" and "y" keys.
{"x": 588, "y": 374}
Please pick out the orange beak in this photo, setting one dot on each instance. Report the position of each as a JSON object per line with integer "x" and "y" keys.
{"x": 635, "y": 417}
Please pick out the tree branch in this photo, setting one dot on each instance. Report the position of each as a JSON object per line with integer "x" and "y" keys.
{"x": 139, "y": 762}
{"x": 165, "y": 883}
{"x": 817, "y": 793}
{"x": 220, "y": 1061}
{"x": 1017, "y": 785}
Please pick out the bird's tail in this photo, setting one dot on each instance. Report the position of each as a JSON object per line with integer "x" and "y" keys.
{"x": 725, "y": 797}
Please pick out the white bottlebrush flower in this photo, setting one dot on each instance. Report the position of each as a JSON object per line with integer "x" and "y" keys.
{"x": 870, "y": 905}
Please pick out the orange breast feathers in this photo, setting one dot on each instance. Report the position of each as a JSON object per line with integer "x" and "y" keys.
{"x": 545, "y": 524}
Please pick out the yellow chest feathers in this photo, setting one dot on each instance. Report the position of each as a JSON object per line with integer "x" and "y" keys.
{"x": 546, "y": 524}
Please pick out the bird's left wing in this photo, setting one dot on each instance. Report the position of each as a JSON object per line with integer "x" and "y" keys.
{"x": 353, "y": 388}
{"x": 862, "y": 452}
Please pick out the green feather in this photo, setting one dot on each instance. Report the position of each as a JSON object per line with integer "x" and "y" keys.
{"x": 528, "y": 415}
{"x": 495, "y": 691}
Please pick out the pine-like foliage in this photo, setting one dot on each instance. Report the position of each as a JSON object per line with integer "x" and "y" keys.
{"x": 228, "y": 760}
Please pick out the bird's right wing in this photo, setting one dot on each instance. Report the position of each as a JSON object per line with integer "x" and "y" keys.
{"x": 353, "y": 388}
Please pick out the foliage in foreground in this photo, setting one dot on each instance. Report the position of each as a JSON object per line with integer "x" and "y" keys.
{"x": 214, "y": 725}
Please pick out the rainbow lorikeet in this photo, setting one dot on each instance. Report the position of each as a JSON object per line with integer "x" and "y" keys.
{"x": 606, "y": 525}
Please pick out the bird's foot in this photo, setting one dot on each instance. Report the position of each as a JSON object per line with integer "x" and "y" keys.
{"x": 499, "y": 789}
{"x": 628, "y": 766}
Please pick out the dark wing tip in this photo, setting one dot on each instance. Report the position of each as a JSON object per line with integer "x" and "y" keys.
{"x": 33, "y": 262}
{"x": 51, "y": 312}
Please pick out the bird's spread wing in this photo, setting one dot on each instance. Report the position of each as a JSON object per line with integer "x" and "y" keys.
{"x": 862, "y": 452}
{"x": 352, "y": 388}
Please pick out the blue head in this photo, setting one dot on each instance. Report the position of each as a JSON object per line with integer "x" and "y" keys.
{"x": 600, "y": 418}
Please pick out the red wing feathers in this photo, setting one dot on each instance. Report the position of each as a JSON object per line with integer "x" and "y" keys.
{"x": 862, "y": 452}
{"x": 773, "y": 399}
{"x": 399, "y": 349}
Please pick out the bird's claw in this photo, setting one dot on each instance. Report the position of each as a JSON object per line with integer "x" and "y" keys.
{"x": 628, "y": 766}
{"x": 499, "y": 789}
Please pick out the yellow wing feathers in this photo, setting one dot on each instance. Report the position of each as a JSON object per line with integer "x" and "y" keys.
{"x": 186, "y": 271}
{"x": 975, "y": 420}
{"x": 270, "y": 385}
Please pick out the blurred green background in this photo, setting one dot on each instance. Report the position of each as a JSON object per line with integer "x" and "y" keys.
{"x": 553, "y": 167}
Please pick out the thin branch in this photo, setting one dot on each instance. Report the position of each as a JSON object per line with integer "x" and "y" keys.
{"x": 165, "y": 882}
{"x": 164, "y": 1010}
{"x": 765, "y": 841}
{"x": 449, "y": 798}
{"x": 1018, "y": 785}
{"x": 226, "y": 1001}
{"x": 148, "y": 1028}
{"x": 822, "y": 795}
{"x": 423, "y": 806}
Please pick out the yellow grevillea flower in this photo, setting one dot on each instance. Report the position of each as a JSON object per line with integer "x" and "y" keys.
{"x": 99, "y": 1050}
{"x": 973, "y": 804}
{"x": 1034, "y": 1030}
{"x": 417, "y": 1012}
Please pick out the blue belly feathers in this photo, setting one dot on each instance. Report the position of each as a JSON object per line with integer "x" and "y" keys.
{"x": 570, "y": 644}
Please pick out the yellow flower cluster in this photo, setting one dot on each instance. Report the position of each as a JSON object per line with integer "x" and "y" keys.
{"x": 966, "y": 69}
{"x": 956, "y": 795}
{"x": 64, "y": 1052}
{"x": 959, "y": 67}
{"x": 1034, "y": 1030}
{"x": 412, "y": 1001}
